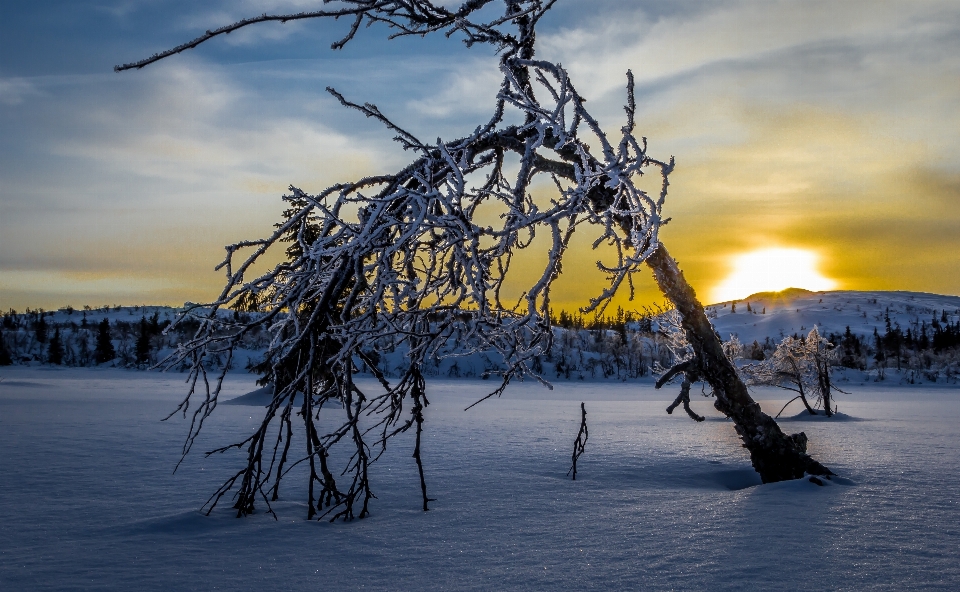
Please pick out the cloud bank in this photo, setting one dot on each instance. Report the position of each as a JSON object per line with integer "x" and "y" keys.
{"x": 795, "y": 124}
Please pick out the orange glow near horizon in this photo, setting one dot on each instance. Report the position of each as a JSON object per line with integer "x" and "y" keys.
{"x": 772, "y": 270}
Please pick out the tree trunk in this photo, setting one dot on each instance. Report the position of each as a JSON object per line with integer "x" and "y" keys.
{"x": 775, "y": 455}
{"x": 823, "y": 380}
{"x": 806, "y": 404}
{"x": 798, "y": 380}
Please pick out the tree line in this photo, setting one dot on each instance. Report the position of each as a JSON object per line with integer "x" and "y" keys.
{"x": 926, "y": 350}
{"x": 624, "y": 345}
{"x": 35, "y": 336}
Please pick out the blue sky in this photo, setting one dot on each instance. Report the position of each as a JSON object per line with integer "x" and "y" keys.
{"x": 829, "y": 126}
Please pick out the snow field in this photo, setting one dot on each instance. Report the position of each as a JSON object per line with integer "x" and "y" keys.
{"x": 89, "y": 501}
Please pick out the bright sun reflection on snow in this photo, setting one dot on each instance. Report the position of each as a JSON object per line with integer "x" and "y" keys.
{"x": 772, "y": 270}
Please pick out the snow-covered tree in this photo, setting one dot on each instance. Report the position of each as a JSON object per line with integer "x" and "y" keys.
{"x": 802, "y": 365}
{"x": 405, "y": 254}
{"x": 824, "y": 356}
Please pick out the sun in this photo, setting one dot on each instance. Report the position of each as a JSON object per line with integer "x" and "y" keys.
{"x": 772, "y": 270}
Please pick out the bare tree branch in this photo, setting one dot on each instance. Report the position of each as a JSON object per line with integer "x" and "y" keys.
{"x": 404, "y": 259}
{"x": 580, "y": 443}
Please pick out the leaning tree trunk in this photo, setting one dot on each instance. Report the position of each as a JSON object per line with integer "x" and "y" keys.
{"x": 775, "y": 455}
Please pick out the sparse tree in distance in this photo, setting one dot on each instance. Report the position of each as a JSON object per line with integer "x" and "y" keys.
{"x": 104, "y": 351}
{"x": 5, "y": 357}
{"x": 40, "y": 327}
{"x": 55, "y": 348}
{"x": 879, "y": 357}
{"x": 755, "y": 351}
{"x": 143, "y": 342}
{"x": 83, "y": 349}
{"x": 415, "y": 262}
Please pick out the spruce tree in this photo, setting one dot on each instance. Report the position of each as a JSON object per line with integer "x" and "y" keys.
{"x": 143, "y": 342}
{"x": 879, "y": 357}
{"x": 104, "y": 351}
{"x": 55, "y": 350}
{"x": 5, "y": 358}
{"x": 850, "y": 344}
{"x": 83, "y": 350}
{"x": 40, "y": 328}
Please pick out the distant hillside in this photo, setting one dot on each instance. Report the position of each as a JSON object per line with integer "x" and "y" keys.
{"x": 796, "y": 311}
{"x": 915, "y": 333}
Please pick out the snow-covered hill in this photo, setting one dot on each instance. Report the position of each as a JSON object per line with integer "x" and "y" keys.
{"x": 794, "y": 311}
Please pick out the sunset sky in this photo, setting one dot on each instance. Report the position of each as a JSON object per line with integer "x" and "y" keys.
{"x": 828, "y": 132}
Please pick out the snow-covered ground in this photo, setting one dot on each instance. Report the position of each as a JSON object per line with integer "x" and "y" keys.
{"x": 89, "y": 501}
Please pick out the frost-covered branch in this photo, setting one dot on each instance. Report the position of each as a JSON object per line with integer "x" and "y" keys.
{"x": 403, "y": 17}
{"x": 419, "y": 259}
{"x": 801, "y": 365}
{"x": 409, "y": 258}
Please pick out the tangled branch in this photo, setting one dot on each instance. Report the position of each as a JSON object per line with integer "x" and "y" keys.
{"x": 410, "y": 257}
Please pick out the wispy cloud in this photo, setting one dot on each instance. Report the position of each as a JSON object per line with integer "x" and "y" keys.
{"x": 469, "y": 89}
{"x": 599, "y": 50}
{"x": 14, "y": 91}
{"x": 156, "y": 173}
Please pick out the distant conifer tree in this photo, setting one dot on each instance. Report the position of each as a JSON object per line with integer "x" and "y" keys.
{"x": 879, "y": 356}
{"x": 850, "y": 350}
{"x": 55, "y": 349}
{"x": 83, "y": 350}
{"x": 5, "y": 359}
{"x": 104, "y": 351}
{"x": 143, "y": 342}
{"x": 40, "y": 327}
